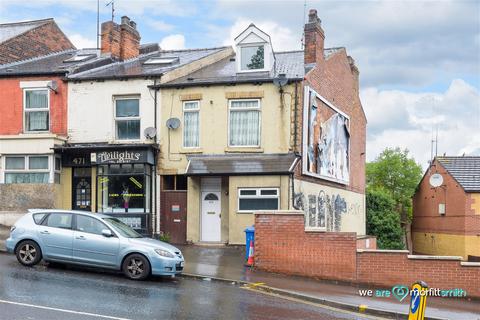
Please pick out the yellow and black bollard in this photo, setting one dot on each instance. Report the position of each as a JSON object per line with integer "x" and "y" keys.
{"x": 418, "y": 301}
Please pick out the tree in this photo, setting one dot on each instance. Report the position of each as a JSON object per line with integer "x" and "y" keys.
{"x": 257, "y": 60}
{"x": 382, "y": 220}
{"x": 397, "y": 174}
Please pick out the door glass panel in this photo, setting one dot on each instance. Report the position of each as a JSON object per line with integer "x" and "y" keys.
{"x": 89, "y": 224}
{"x": 211, "y": 196}
{"x": 59, "y": 220}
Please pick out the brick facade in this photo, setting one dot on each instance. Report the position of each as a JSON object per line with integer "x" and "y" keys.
{"x": 335, "y": 77}
{"x": 282, "y": 245}
{"x": 11, "y": 105}
{"x": 39, "y": 41}
{"x": 122, "y": 41}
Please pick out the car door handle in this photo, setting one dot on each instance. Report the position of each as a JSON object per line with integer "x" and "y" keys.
{"x": 81, "y": 238}
{"x": 44, "y": 232}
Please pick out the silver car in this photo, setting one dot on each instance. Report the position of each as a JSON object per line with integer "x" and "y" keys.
{"x": 93, "y": 240}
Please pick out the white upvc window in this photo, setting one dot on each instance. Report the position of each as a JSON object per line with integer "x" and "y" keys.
{"x": 252, "y": 199}
{"x": 127, "y": 118}
{"x": 191, "y": 124}
{"x": 36, "y": 109}
{"x": 27, "y": 169}
{"x": 252, "y": 57}
{"x": 244, "y": 123}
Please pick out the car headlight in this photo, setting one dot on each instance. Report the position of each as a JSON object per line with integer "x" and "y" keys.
{"x": 164, "y": 253}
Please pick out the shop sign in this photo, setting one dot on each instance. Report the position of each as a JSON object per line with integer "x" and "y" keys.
{"x": 134, "y": 156}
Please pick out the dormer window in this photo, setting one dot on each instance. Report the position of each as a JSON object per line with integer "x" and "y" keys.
{"x": 252, "y": 57}
{"x": 254, "y": 51}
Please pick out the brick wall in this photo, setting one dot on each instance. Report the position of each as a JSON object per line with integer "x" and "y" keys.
{"x": 11, "y": 106}
{"x": 122, "y": 41}
{"x": 40, "y": 41}
{"x": 282, "y": 245}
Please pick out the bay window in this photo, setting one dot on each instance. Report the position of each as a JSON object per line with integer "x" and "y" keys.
{"x": 127, "y": 118}
{"x": 191, "y": 130}
{"x": 27, "y": 169}
{"x": 36, "y": 110}
{"x": 244, "y": 123}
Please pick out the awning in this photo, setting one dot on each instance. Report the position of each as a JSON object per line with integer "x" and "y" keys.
{"x": 245, "y": 164}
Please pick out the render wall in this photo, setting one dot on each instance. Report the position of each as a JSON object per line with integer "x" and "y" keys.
{"x": 91, "y": 108}
{"x": 282, "y": 245}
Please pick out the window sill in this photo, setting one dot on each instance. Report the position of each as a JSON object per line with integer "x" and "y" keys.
{"x": 191, "y": 150}
{"x": 244, "y": 150}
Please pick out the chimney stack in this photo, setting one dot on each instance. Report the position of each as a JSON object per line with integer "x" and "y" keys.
{"x": 314, "y": 39}
{"x": 121, "y": 41}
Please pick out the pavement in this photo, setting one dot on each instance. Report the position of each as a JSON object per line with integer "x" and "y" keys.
{"x": 226, "y": 263}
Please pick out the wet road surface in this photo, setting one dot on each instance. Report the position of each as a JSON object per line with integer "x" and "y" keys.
{"x": 60, "y": 292}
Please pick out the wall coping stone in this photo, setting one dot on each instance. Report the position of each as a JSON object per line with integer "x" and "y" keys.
{"x": 381, "y": 251}
{"x": 469, "y": 264}
{"x": 282, "y": 212}
{"x": 424, "y": 257}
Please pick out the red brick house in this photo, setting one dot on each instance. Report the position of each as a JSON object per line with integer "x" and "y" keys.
{"x": 28, "y": 39}
{"x": 446, "y": 209}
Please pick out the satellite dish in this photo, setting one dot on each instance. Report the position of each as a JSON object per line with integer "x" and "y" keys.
{"x": 436, "y": 180}
{"x": 173, "y": 123}
{"x": 150, "y": 132}
{"x": 281, "y": 80}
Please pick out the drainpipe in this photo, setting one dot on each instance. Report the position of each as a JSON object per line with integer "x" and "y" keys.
{"x": 295, "y": 117}
{"x": 156, "y": 227}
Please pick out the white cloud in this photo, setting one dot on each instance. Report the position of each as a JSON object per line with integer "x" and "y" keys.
{"x": 282, "y": 37}
{"x": 410, "y": 120}
{"x": 82, "y": 42}
{"x": 173, "y": 42}
{"x": 159, "y": 25}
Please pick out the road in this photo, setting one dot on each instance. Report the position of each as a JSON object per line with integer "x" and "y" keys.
{"x": 62, "y": 292}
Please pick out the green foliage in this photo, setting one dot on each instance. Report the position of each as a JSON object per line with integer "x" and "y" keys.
{"x": 257, "y": 60}
{"x": 164, "y": 236}
{"x": 398, "y": 174}
{"x": 382, "y": 219}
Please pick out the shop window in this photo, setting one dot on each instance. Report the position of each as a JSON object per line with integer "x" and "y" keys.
{"x": 244, "y": 123}
{"x": 251, "y": 199}
{"x": 36, "y": 109}
{"x": 127, "y": 118}
{"x": 27, "y": 169}
{"x": 121, "y": 189}
{"x": 191, "y": 124}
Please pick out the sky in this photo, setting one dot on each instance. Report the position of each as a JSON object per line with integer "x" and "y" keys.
{"x": 419, "y": 61}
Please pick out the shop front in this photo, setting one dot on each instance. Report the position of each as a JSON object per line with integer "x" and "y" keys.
{"x": 112, "y": 179}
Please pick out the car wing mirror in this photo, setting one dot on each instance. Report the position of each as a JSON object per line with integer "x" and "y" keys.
{"x": 107, "y": 233}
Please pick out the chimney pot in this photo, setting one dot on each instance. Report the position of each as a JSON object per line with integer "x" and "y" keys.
{"x": 133, "y": 24}
{"x": 312, "y": 16}
{"x": 126, "y": 20}
{"x": 314, "y": 39}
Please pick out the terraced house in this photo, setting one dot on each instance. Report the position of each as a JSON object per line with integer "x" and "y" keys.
{"x": 263, "y": 130}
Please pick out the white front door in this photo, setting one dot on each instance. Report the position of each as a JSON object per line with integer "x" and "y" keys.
{"x": 211, "y": 222}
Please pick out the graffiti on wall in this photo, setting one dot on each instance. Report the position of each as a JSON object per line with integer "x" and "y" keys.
{"x": 324, "y": 210}
{"x": 327, "y": 139}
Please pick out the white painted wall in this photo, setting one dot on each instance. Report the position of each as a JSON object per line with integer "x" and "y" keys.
{"x": 91, "y": 109}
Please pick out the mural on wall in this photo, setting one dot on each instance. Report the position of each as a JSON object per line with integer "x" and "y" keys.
{"x": 328, "y": 208}
{"x": 327, "y": 138}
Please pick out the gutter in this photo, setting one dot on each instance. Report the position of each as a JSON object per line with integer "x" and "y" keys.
{"x": 216, "y": 82}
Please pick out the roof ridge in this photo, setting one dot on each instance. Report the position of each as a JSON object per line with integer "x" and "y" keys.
{"x": 12, "y": 64}
{"x": 26, "y": 22}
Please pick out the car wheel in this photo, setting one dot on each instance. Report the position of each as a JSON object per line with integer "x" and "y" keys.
{"x": 28, "y": 253}
{"x": 136, "y": 267}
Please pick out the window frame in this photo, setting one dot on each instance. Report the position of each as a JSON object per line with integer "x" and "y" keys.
{"x": 26, "y": 166}
{"x": 258, "y": 195}
{"x": 117, "y": 119}
{"x": 197, "y": 109}
{"x": 44, "y": 221}
{"x": 35, "y": 109}
{"x": 257, "y": 44}
{"x": 258, "y": 108}
{"x": 75, "y": 225}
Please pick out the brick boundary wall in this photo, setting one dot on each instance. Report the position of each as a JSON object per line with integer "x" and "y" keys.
{"x": 282, "y": 245}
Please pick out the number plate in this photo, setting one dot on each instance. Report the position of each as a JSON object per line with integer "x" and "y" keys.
{"x": 182, "y": 264}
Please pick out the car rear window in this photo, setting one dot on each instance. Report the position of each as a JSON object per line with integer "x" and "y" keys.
{"x": 37, "y": 217}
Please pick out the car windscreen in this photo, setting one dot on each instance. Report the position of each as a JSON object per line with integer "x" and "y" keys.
{"x": 122, "y": 228}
